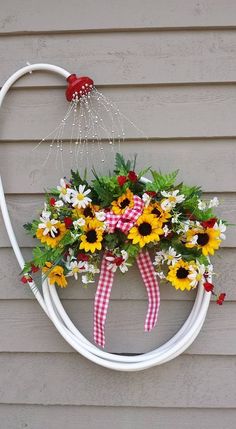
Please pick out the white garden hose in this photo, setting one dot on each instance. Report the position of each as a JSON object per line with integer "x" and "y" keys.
{"x": 51, "y": 304}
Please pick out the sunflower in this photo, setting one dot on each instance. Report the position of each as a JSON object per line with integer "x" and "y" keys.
{"x": 48, "y": 238}
{"x": 89, "y": 211}
{"x": 125, "y": 201}
{"x": 155, "y": 209}
{"x": 55, "y": 275}
{"x": 92, "y": 238}
{"x": 178, "y": 275}
{"x": 147, "y": 229}
{"x": 206, "y": 239}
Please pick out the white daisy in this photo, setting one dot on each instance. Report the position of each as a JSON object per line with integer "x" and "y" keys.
{"x": 166, "y": 230}
{"x": 86, "y": 278}
{"x": 93, "y": 269}
{"x": 194, "y": 240}
{"x": 75, "y": 268}
{"x": 75, "y": 236}
{"x": 159, "y": 258}
{"x": 80, "y": 199}
{"x": 64, "y": 190}
{"x": 210, "y": 270}
{"x": 196, "y": 274}
{"x": 146, "y": 199}
{"x": 161, "y": 275}
{"x": 118, "y": 262}
{"x": 171, "y": 199}
{"x": 46, "y": 213}
{"x": 171, "y": 256}
{"x": 175, "y": 218}
{"x": 202, "y": 205}
{"x": 79, "y": 222}
{"x": 59, "y": 204}
{"x": 214, "y": 202}
{"x": 184, "y": 227}
{"x": 100, "y": 216}
{"x": 48, "y": 224}
{"x": 222, "y": 228}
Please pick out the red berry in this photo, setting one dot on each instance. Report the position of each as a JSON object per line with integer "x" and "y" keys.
{"x": 52, "y": 202}
{"x": 151, "y": 193}
{"x": 25, "y": 279}
{"x": 34, "y": 269}
{"x": 82, "y": 257}
{"x": 132, "y": 176}
{"x": 68, "y": 222}
{"x": 209, "y": 223}
{"x": 221, "y": 298}
{"x": 208, "y": 286}
{"x": 118, "y": 261}
{"x": 121, "y": 180}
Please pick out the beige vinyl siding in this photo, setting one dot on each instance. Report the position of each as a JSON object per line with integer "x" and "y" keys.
{"x": 171, "y": 67}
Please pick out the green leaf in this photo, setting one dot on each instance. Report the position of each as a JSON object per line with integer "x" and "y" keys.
{"x": 41, "y": 256}
{"x": 161, "y": 181}
{"x": 107, "y": 189}
{"x": 203, "y": 260}
{"x": 123, "y": 167}
{"x": 32, "y": 227}
{"x": 76, "y": 179}
{"x": 28, "y": 226}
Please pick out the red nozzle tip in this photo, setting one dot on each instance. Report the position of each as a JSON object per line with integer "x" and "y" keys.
{"x": 78, "y": 86}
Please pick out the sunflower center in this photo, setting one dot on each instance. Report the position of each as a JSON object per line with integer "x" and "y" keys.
{"x": 182, "y": 273}
{"x": 55, "y": 234}
{"x": 124, "y": 203}
{"x": 145, "y": 228}
{"x": 203, "y": 239}
{"x": 156, "y": 212}
{"x": 91, "y": 236}
{"x": 88, "y": 212}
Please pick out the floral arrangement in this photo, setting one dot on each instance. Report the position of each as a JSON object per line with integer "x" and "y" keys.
{"x": 119, "y": 217}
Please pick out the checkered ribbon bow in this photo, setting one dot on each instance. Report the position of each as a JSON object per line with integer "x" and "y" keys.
{"x": 104, "y": 290}
{"x": 127, "y": 219}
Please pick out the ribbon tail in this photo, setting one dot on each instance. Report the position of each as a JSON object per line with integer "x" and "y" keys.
{"x": 101, "y": 302}
{"x": 149, "y": 278}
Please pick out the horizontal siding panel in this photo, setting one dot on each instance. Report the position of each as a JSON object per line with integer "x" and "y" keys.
{"x": 23, "y": 208}
{"x": 182, "y": 111}
{"x": 188, "y": 381}
{"x": 125, "y": 58}
{"x": 38, "y": 416}
{"x": 12, "y": 288}
{"x": 25, "y": 328}
{"x": 131, "y": 14}
{"x": 207, "y": 163}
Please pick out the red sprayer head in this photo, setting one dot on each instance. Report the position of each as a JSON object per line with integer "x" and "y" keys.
{"x": 78, "y": 86}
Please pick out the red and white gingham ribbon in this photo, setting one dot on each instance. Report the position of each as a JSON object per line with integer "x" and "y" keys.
{"x": 149, "y": 278}
{"x": 127, "y": 219}
{"x": 101, "y": 302}
{"x": 104, "y": 290}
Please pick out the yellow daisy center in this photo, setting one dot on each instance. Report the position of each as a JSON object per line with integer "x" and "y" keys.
{"x": 80, "y": 197}
{"x": 64, "y": 191}
{"x": 172, "y": 199}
